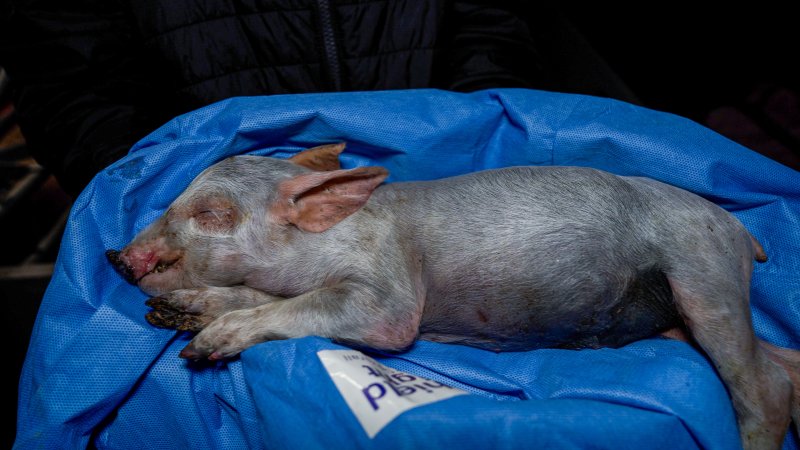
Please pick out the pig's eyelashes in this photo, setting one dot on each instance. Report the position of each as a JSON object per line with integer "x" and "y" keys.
{"x": 217, "y": 220}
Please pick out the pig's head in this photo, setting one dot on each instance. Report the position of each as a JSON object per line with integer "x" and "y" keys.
{"x": 206, "y": 236}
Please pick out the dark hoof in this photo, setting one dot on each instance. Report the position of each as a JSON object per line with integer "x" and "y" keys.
{"x": 161, "y": 319}
{"x": 189, "y": 352}
{"x": 165, "y": 315}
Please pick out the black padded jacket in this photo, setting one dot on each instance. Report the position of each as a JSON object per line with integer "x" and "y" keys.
{"x": 91, "y": 77}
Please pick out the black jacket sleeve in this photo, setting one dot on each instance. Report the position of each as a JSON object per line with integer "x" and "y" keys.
{"x": 492, "y": 46}
{"x": 78, "y": 85}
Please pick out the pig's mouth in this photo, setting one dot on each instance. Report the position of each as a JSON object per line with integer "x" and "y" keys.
{"x": 164, "y": 277}
{"x": 161, "y": 267}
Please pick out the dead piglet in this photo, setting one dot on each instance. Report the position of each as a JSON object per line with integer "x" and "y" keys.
{"x": 521, "y": 258}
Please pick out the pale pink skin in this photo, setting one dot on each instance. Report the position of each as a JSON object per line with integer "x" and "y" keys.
{"x": 259, "y": 249}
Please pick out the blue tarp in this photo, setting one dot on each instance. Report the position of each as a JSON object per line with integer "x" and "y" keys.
{"x": 96, "y": 370}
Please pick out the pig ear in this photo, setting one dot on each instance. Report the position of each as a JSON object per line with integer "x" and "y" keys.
{"x": 316, "y": 201}
{"x": 321, "y": 158}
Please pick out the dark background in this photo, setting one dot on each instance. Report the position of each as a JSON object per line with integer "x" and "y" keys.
{"x": 690, "y": 61}
{"x": 733, "y": 70}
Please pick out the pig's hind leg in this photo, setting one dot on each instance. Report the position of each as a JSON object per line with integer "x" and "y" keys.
{"x": 789, "y": 359}
{"x": 711, "y": 290}
{"x": 194, "y": 309}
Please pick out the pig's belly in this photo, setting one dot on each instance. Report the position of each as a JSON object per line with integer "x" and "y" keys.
{"x": 517, "y": 321}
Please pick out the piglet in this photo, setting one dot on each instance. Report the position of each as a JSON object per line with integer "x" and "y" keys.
{"x": 521, "y": 258}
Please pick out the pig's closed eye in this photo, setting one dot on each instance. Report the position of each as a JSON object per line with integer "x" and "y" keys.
{"x": 216, "y": 220}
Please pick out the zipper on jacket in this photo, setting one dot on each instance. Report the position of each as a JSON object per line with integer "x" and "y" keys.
{"x": 329, "y": 44}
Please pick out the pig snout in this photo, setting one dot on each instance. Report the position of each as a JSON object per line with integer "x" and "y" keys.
{"x": 132, "y": 263}
{"x": 121, "y": 266}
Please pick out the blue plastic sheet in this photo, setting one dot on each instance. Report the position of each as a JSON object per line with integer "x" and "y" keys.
{"x": 97, "y": 371}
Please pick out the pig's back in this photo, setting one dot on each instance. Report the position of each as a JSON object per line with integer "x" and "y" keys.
{"x": 508, "y": 211}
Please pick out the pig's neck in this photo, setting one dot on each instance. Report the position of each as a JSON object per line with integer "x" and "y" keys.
{"x": 359, "y": 248}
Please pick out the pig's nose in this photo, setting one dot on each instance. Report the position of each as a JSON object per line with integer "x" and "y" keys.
{"x": 121, "y": 267}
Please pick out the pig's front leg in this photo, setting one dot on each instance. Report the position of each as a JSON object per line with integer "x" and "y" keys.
{"x": 194, "y": 309}
{"x": 347, "y": 312}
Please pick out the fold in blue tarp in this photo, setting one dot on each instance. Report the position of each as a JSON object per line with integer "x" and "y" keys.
{"x": 96, "y": 370}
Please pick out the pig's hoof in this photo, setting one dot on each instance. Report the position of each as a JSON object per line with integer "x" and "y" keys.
{"x": 193, "y": 353}
{"x": 223, "y": 338}
{"x": 182, "y": 322}
{"x": 189, "y": 352}
{"x": 194, "y": 301}
{"x": 160, "y": 319}
{"x": 166, "y": 314}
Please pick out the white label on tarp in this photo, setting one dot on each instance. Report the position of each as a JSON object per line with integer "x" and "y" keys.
{"x": 377, "y": 394}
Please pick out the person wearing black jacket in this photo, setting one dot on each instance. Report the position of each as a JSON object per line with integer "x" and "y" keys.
{"x": 92, "y": 77}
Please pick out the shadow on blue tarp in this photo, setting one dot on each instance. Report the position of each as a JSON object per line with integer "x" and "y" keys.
{"x": 96, "y": 370}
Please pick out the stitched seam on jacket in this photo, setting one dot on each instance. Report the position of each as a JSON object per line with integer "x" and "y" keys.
{"x": 162, "y": 33}
{"x": 389, "y": 52}
{"x": 278, "y": 66}
{"x": 247, "y": 69}
{"x": 254, "y": 13}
